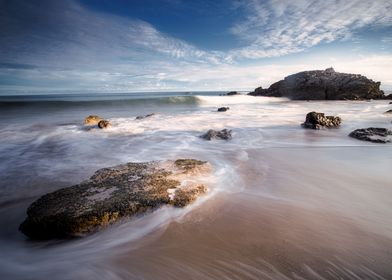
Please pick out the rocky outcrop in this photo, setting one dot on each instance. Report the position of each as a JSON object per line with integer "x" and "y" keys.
{"x": 223, "y": 109}
{"x": 112, "y": 193}
{"x": 103, "y": 124}
{"x": 92, "y": 120}
{"x": 323, "y": 85}
{"x": 224, "y": 134}
{"x": 145, "y": 116}
{"x": 372, "y": 134}
{"x": 316, "y": 120}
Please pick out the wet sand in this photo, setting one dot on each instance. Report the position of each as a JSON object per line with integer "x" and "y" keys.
{"x": 277, "y": 227}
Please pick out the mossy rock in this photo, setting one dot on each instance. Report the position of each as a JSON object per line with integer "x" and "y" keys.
{"x": 112, "y": 193}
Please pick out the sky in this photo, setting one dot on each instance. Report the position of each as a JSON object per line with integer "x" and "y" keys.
{"x": 49, "y": 46}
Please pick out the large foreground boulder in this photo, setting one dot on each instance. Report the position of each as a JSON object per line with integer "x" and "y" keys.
{"x": 316, "y": 120}
{"x": 113, "y": 193}
{"x": 372, "y": 134}
{"x": 323, "y": 85}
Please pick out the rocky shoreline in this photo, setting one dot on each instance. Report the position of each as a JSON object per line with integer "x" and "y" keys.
{"x": 131, "y": 189}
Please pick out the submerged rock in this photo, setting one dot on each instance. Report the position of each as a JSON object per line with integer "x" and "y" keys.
{"x": 112, "y": 193}
{"x": 323, "y": 85}
{"x": 223, "y": 109}
{"x": 145, "y": 116}
{"x": 231, "y": 93}
{"x": 104, "y": 124}
{"x": 224, "y": 134}
{"x": 372, "y": 134}
{"x": 92, "y": 120}
{"x": 316, "y": 120}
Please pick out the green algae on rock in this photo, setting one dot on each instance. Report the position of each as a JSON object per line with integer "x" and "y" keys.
{"x": 112, "y": 193}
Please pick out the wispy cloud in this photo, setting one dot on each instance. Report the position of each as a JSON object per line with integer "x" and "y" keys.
{"x": 68, "y": 32}
{"x": 279, "y": 27}
{"x": 387, "y": 40}
{"x": 17, "y": 66}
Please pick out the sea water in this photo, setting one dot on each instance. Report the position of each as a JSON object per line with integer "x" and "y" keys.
{"x": 284, "y": 202}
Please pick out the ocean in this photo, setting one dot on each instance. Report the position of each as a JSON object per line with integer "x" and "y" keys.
{"x": 284, "y": 202}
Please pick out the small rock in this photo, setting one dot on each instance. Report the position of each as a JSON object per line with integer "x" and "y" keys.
{"x": 223, "y": 109}
{"x": 104, "y": 124}
{"x": 145, "y": 116}
{"x": 316, "y": 120}
{"x": 112, "y": 193}
{"x": 231, "y": 93}
{"x": 372, "y": 134}
{"x": 92, "y": 120}
{"x": 224, "y": 134}
{"x": 388, "y": 112}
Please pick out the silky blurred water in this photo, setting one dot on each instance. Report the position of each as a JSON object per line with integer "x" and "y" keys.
{"x": 284, "y": 202}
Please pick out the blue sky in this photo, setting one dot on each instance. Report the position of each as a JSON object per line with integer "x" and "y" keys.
{"x": 177, "y": 45}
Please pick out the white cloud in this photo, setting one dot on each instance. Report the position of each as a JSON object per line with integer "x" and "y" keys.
{"x": 279, "y": 27}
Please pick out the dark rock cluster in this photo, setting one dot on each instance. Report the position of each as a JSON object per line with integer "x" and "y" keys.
{"x": 231, "y": 93}
{"x": 223, "y": 134}
{"x": 103, "y": 124}
{"x": 372, "y": 134}
{"x": 145, "y": 116}
{"x": 223, "y": 109}
{"x": 388, "y": 112}
{"x": 316, "y": 120}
